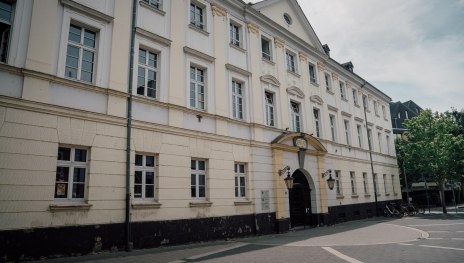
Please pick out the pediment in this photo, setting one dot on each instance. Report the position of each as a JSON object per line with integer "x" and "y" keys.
{"x": 299, "y": 26}
{"x": 270, "y": 80}
{"x": 296, "y": 92}
{"x": 316, "y": 99}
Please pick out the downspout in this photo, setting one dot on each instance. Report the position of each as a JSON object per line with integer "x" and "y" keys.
{"x": 127, "y": 227}
{"x": 369, "y": 142}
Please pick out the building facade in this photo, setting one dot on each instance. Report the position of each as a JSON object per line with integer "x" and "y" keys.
{"x": 220, "y": 98}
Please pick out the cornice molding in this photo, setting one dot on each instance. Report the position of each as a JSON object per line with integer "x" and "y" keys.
{"x": 346, "y": 114}
{"x": 320, "y": 66}
{"x": 279, "y": 42}
{"x": 87, "y": 10}
{"x": 303, "y": 56}
{"x": 334, "y": 76}
{"x": 152, "y": 36}
{"x": 238, "y": 70}
{"x": 199, "y": 54}
{"x": 218, "y": 10}
{"x": 253, "y": 28}
{"x": 332, "y": 108}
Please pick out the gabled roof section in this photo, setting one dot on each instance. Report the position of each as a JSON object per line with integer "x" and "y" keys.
{"x": 300, "y": 26}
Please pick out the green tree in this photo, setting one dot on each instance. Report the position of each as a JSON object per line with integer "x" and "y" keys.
{"x": 432, "y": 146}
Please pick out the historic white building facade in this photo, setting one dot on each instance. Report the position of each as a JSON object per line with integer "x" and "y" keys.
{"x": 225, "y": 95}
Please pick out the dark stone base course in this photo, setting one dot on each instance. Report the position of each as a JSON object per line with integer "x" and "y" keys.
{"x": 31, "y": 244}
{"x": 343, "y": 213}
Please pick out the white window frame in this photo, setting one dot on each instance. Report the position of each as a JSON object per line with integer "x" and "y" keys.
{"x": 290, "y": 58}
{"x": 317, "y": 122}
{"x": 353, "y": 182}
{"x": 328, "y": 82}
{"x": 194, "y": 20}
{"x": 406, "y": 114}
{"x": 239, "y": 185}
{"x": 360, "y": 138}
{"x": 158, "y": 4}
{"x": 333, "y": 127}
{"x": 146, "y": 68}
{"x": 385, "y": 183}
{"x": 387, "y": 139}
{"x": 270, "y": 112}
{"x": 71, "y": 164}
{"x": 103, "y": 36}
{"x": 342, "y": 90}
{"x": 197, "y": 173}
{"x": 235, "y": 34}
{"x": 338, "y": 183}
{"x": 144, "y": 169}
{"x": 196, "y": 88}
{"x": 312, "y": 79}
{"x": 379, "y": 137}
{"x": 238, "y": 99}
{"x": 355, "y": 97}
{"x": 376, "y": 108}
{"x": 346, "y": 125}
{"x": 365, "y": 183}
{"x": 296, "y": 116}
{"x": 265, "y": 55}
{"x": 365, "y": 101}
{"x": 384, "y": 112}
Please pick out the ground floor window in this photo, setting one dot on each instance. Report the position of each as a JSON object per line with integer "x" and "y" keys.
{"x": 198, "y": 178}
{"x": 71, "y": 173}
{"x": 144, "y": 177}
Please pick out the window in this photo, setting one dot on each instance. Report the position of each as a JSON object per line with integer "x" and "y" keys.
{"x": 153, "y": 3}
{"x": 375, "y": 183}
{"x": 387, "y": 139}
{"x": 338, "y": 183}
{"x": 287, "y": 19}
{"x": 328, "y": 85}
{"x": 312, "y": 73}
{"x": 147, "y": 73}
{"x": 365, "y": 185}
{"x": 291, "y": 64}
{"x": 234, "y": 34}
{"x": 355, "y": 96}
{"x": 385, "y": 183}
{"x": 71, "y": 173}
{"x": 379, "y": 136}
{"x": 332, "y": 127}
{"x": 365, "y": 102}
{"x": 295, "y": 109}
{"x": 197, "y": 88}
{"x": 240, "y": 180}
{"x": 406, "y": 114}
{"x": 376, "y": 108}
{"x": 384, "y": 112}
{"x": 266, "y": 49}
{"x": 81, "y": 53}
{"x": 237, "y": 100}
{"x": 399, "y": 115}
{"x": 393, "y": 183}
{"x": 353, "y": 183}
{"x": 347, "y": 131}
{"x": 144, "y": 179}
{"x": 317, "y": 123}
{"x": 196, "y": 16}
{"x": 6, "y": 21}
{"x": 342, "y": 90}
{"x": 359, "y": 129}
{"x": 198, "y": 178}
{"x": 269, "y": 97}
{"x": 369, "y": 138}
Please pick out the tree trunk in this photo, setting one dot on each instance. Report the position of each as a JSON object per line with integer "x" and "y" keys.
{"x": 442, "y": 197}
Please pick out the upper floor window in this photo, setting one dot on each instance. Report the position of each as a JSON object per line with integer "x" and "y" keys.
{"x": 365, "y": 102}
{"x": 269, "y": 97}
{"x": 376, "y": 108}
{"x": 240, "y": 180}
{"x": 328, "y": 84}
{"x": 359, "y": 130}
{"x": 295, "y": 109}
{"x": 197, "y": 88}
{"x": 153, "y": 3}
{"x": 197, "y": 15}
{"x": 332, "y": 127}
{"x": 347, "y": 131}
{"x": 312, "y": 73}
{"x": 379, "y": 135}
{"x": 384, "y": 112}
{"x": 369, "y": 137}
{"x": 144, "y": 178}
{"x": 387, "y": 139}
{"x": 237, "y": 100}
{"x": 6, "y": 22}
{"x": 355, "y": 96}
{"x": 81, "y": 53}
{"x": 235, "y": 34}
{"x": 317, "y": 123}
{"x": 342, "y": 90}
{"x": 266, "y": 49}
{"x": 198, "y": 179}
{"x": 291, "y": 63}
{"x": 147, "y": 73}
{"x": 71, "y": 174}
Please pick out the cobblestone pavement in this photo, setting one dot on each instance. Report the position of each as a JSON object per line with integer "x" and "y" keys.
{"x": 426, "y": 238}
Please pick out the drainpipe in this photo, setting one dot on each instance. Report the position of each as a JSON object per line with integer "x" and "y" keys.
{"x": 370, "y": 152}
{"x": 127, "y": 227}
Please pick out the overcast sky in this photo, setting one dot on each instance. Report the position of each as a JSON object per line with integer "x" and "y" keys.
{"x": 411, "y": 50}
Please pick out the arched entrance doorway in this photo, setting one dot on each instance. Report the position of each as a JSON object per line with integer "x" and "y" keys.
{"x": 300, "y": 201}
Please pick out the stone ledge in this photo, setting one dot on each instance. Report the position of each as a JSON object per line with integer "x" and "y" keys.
{"x": 153, "y": 205}
{"x": 69, "y": 207}
{"x": 201, "y": 204}
{"x": 242, "y": 202}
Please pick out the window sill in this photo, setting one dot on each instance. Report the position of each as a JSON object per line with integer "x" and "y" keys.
{"x": 237, "y": 48}
{"x": 147, "y": 205}
{"x": 367, "y": 195}
{"x": 340, "y": 196}
{"x": 387, "y": 194}
{"x": 354, "y": 196}
{"x": 154, "y": 9}
{"x": 385, "y": 119}
{"x": 199, "y": 30}
{"x": 69, "y": 207}
{"x": 314, "y": 83}
{"x": 377, "y": 115}
{"x": 268, "y": 61}
{"x": 357, "y": 105}
{"x": 330, "y": 92}
{"x": 294, "y": 73}
{"x": 379, "y": 195}
{"x": 200, "y": 204}
{"x": 344, "y": 99}
{"x": 395, "y": 194}
{"x": 242, "y": 202}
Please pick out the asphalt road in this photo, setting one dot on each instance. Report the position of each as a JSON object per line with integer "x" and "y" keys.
{"x": 429, "y": 238}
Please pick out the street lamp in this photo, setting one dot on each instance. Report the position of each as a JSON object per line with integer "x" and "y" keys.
{"x": 289, "y": 183}
{"x": 330, "y": 181}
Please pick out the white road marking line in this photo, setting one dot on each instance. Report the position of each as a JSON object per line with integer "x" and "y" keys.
{"x": 451, "y": 248}
{"x": 438, "y": 231}
{"x": 459, "y": 231}
{"x": 217, "y": 251}
{"x": 340, "y": 255}
{"x": 457, "y": 238}
{"x": 178, "y": 261}
{"x": 440, "y": 224}
{"x": 435, "y": 238}
{"x": 405, "y": 244}
{"x": 423, "y": 233}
